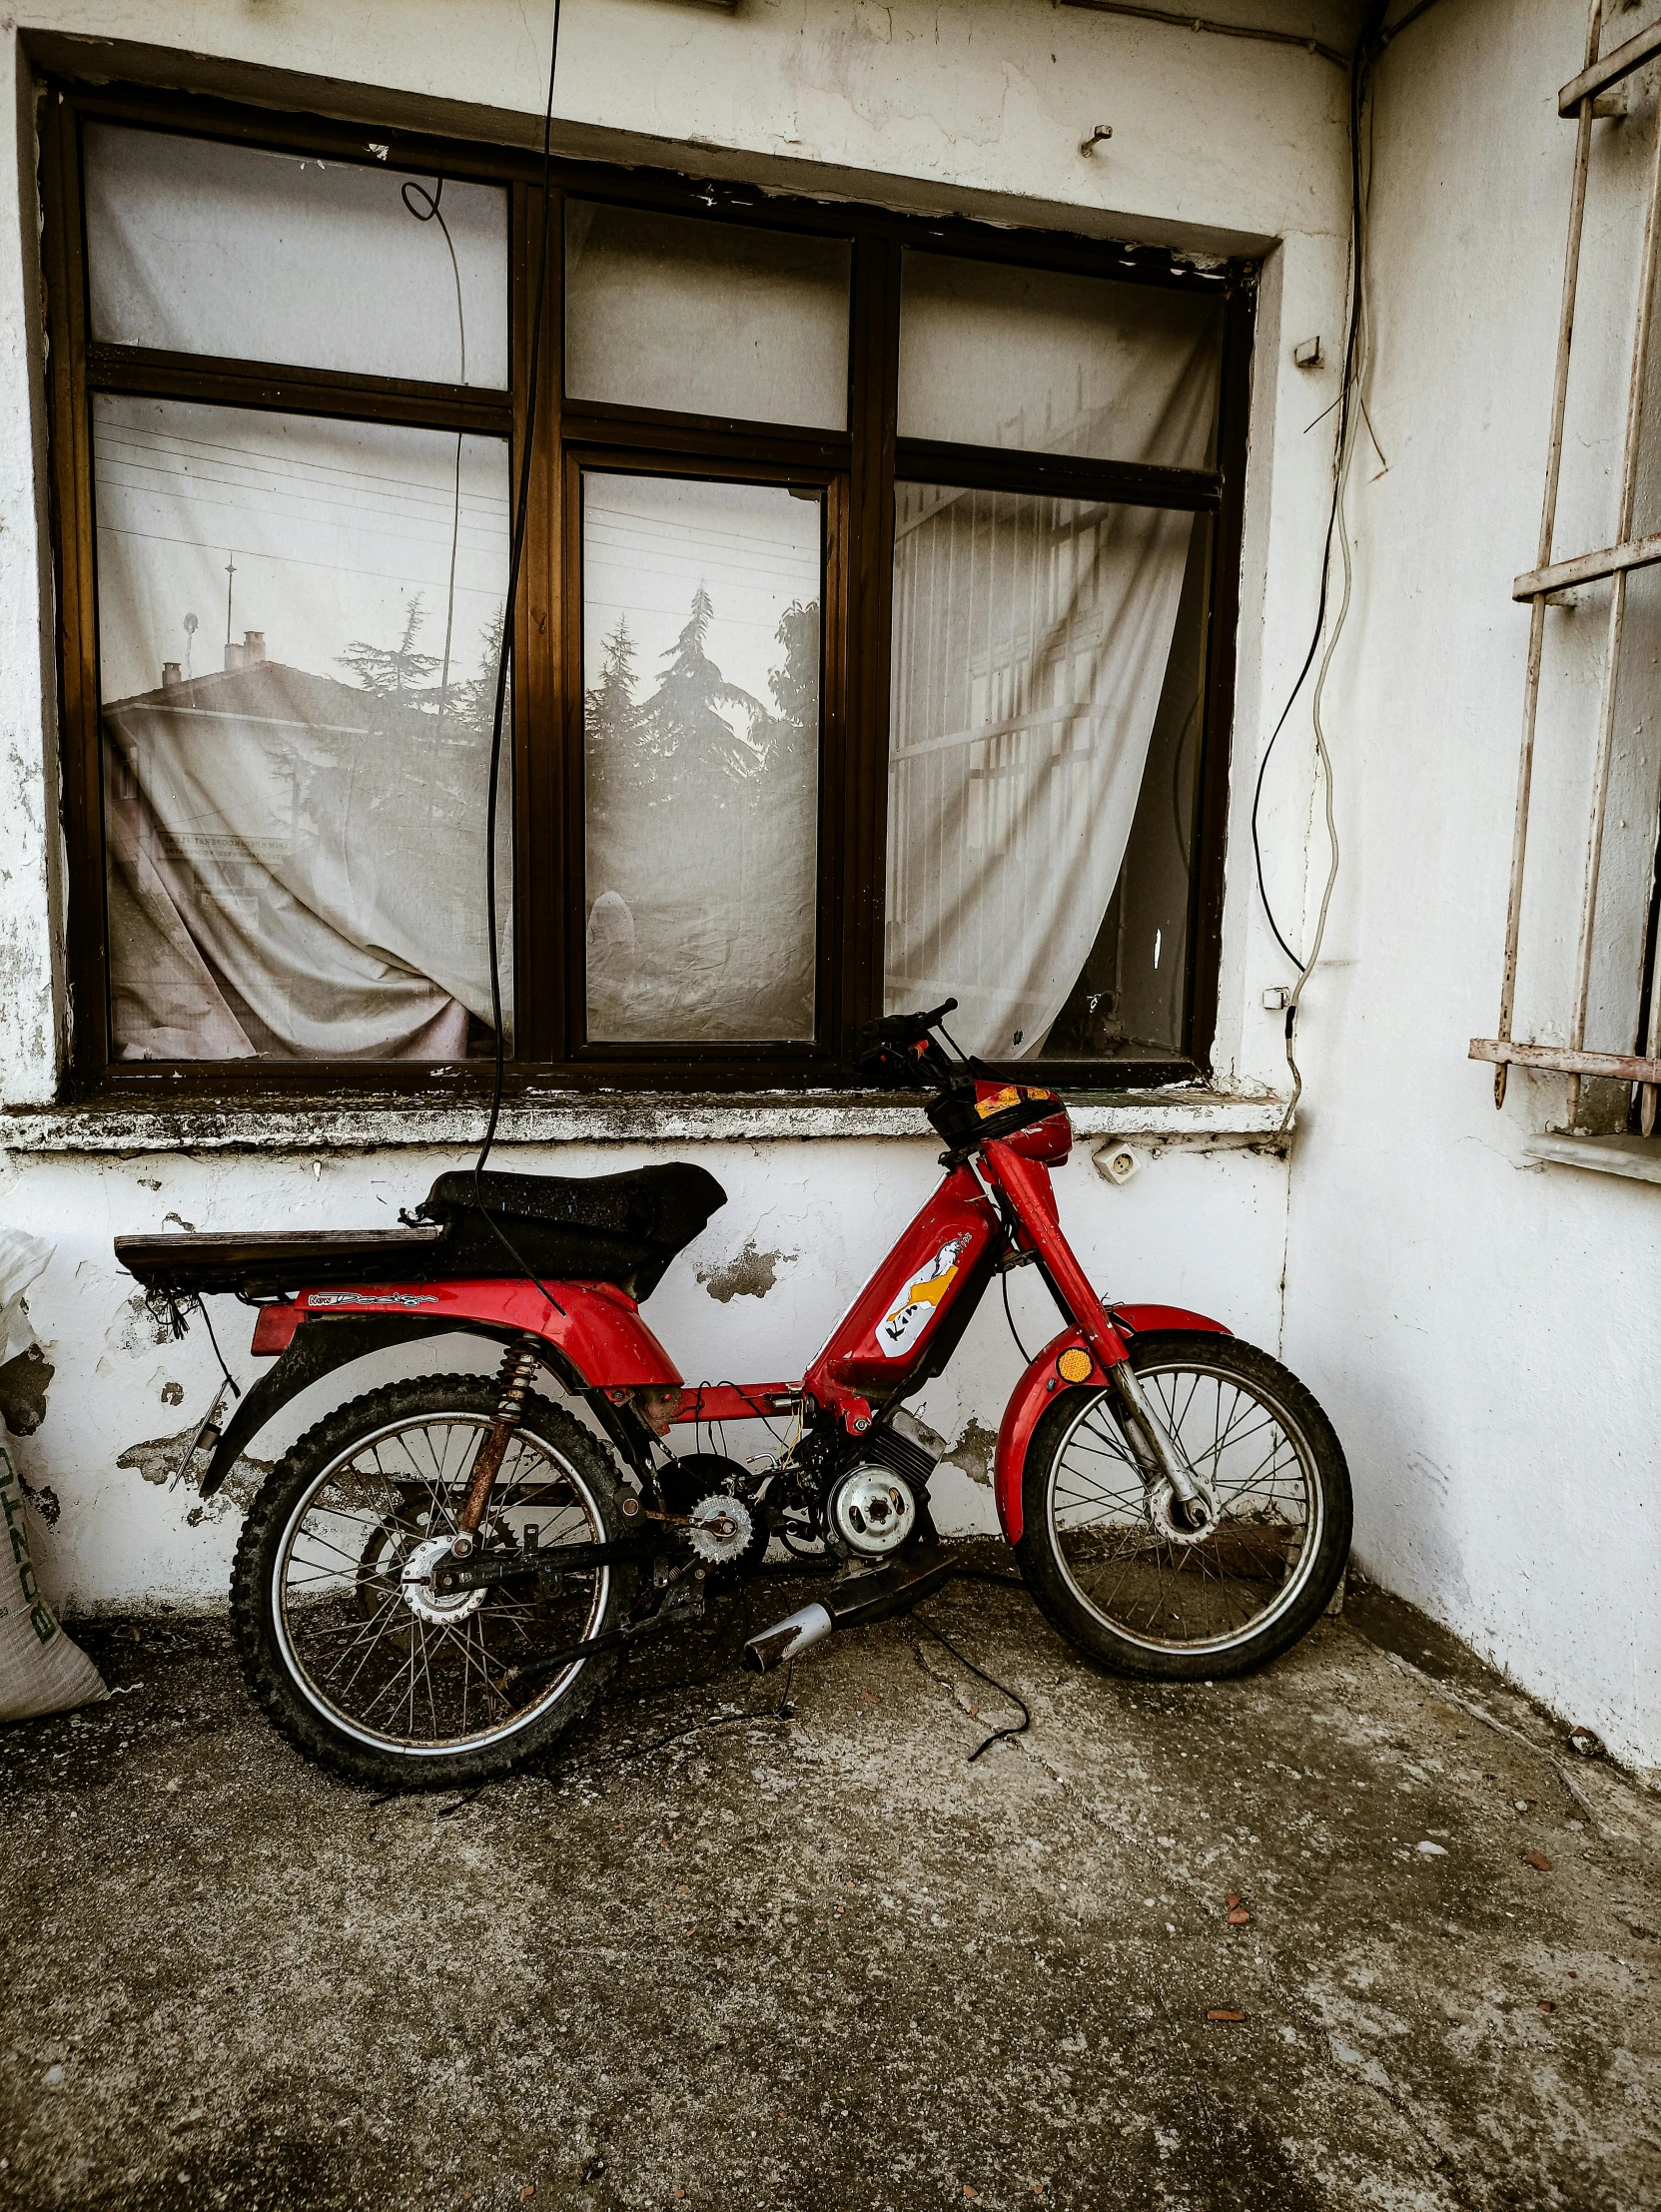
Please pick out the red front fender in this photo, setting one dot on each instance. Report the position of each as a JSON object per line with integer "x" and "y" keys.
{"x": 1041, "y": 1382}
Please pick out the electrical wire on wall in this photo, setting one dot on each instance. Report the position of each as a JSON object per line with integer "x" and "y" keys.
{"x": 1351, "y": 412}
{"x": 427, "y": 207}
{"x": 521, "y": 503}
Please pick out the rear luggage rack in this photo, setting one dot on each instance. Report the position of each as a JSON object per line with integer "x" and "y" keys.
{"x": 265, "y": 1265}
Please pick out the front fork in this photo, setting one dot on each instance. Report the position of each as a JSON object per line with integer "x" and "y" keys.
{"x": 1156, "y": 1450}
{"x": 1025, "y": 1187}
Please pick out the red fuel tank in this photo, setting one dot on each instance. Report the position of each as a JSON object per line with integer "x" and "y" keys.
{"x": 896, "y": 1321}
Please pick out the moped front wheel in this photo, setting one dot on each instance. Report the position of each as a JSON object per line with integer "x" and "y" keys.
{"x": 350, "y": 1647}
{"x": 1151, "y": 1588}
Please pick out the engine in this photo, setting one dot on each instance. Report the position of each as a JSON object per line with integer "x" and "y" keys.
{"x": 873, "y": 1505}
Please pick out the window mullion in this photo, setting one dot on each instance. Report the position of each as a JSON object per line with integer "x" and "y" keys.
{"x": 1216, "y": 721}
{"x": 545, "y": 803}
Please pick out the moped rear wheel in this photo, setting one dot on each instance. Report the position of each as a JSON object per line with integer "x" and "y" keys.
{"x": 352, "y": 1652}
{"x": 1112, "y": 1557}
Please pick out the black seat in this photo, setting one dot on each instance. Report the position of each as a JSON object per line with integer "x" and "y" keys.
{"x": 609, "y": 1229}
{"x": 595, "y": 1229}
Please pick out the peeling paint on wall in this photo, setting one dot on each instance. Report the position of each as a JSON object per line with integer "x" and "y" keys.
{"x": 973, "y": 1452}
{"x": 750, "y": 1274}
{"x": 156, "y": 1460}
{"x": 24, "y": 1382}
{"x": 136, "y": 1330}
{"x": 45, "y": 1502}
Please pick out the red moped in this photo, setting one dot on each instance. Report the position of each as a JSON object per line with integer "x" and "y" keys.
{"x": 439, "y": 1577}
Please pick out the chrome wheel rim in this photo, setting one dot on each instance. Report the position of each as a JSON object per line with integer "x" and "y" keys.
{"x": 363, "y": 1638}
{"x": 1248, "y": 1453}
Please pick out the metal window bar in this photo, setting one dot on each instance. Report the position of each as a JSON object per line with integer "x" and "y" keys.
{"x": 1578, "y": 100}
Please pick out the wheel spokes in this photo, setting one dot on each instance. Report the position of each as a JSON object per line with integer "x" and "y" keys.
{"x": 394, "y": 1663}
{"x": 1122, "y": 1544}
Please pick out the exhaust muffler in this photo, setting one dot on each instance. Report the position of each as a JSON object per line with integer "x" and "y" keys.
{"x": 874, "y": 1595}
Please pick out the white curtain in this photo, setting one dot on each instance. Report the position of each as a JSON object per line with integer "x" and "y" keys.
{"x": 1031, "y": 638}
{"x": 294, "y": 818}
{"x": 294, "y": 870}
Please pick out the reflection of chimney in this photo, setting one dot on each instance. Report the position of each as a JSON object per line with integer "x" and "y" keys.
{"x": 169, "y": 674}
{"x": 254, "y": 648}
{"x": 233, "y": 655}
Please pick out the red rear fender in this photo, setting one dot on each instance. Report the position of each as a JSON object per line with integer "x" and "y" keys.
{"x": 1044, "y": 1378}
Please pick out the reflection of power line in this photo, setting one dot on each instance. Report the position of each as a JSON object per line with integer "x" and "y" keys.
{"x": 171, "y": 441}
{"x": 696, "y": 533}
{"x": 699, "y": 559}
{"x": 406, "y": 536}
{"x": 694, "y": 561}
{"x": 592, "y": 607}
{"x": 135, "y": 453}
{"x": 183, "y": 485}
{"x": 296, "y": 560}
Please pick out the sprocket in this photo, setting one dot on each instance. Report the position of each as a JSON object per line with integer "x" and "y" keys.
{"x": 718, "y": 1528}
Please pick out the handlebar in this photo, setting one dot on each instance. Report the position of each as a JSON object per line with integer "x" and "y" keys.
{"x": 901, "y": 1051}
{"x": 904, "y": 1029}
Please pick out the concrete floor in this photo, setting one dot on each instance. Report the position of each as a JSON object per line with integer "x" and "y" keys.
{"x": 824, "y": 1961}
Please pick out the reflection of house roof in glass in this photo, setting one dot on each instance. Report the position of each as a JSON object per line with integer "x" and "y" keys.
{"x": 273, "y": 693}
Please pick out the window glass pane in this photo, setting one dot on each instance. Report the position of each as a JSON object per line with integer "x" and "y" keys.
{"x": 664, "y": 310}
{"x": 1056, "y": 363}
{"x": 198, "y": 248}
{"x": 297, "y": 629}
{"x": 1042, "y": 770}
{"x": 700, "y": 612}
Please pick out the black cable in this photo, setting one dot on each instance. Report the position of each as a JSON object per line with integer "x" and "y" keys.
{"x": 952, "y": 1040}
{"x": 1020, "y": 1726}
{"x": 1004, "y": 1286}
{"x": 783, "y": 1711}
{"x": 516, "y": 557}
{"x": 434, "y": 213}
{"x": 1360, "y": 67}
{"x": 207, "y": 1325}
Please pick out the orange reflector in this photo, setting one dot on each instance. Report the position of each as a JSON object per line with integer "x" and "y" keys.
{"x": 1074, "y": 1365}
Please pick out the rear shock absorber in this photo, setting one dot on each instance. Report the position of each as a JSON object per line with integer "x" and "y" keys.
{"x": 517, "y": 1372}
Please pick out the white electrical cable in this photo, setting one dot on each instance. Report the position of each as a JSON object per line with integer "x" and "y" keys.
{"x": 1324, "y": 759}
{"x": 1356, "y": 356}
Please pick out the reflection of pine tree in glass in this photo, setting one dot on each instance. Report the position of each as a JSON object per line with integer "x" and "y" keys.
{"x": 700, "y": 820}
{"x": 473, "y": 704}
{"x": 420, "y": 762}
{"x": 394, "y": 671}
{"x": 795, "y": 684}
{"x": 609, "y": 709}
{"x": 684, "y": 714}
{"x": 611, "y": 721}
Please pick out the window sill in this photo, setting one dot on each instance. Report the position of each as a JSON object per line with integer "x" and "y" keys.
{"x": 371, "y": 1123}
{"x": 1637, "y": 1158}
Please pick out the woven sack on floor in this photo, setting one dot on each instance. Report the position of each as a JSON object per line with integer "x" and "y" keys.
{"x": 41, "y": 1669}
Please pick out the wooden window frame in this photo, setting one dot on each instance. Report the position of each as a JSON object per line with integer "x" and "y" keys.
{"x": 857, "y": 468}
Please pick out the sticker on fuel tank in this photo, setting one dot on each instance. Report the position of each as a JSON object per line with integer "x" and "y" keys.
{"x": 905, "y": 1321}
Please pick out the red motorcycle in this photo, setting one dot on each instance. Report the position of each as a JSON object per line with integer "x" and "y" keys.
{"x": 436, "y": 1579}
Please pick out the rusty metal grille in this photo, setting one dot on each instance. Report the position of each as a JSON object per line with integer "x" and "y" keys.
{"x": 1586, "y": 98}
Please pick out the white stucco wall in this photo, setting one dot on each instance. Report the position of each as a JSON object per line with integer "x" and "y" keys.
{"x": 1482, "y": 1328}
{"x": 1199, "y": 1230}
{"x": 1426, "y": 1272}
